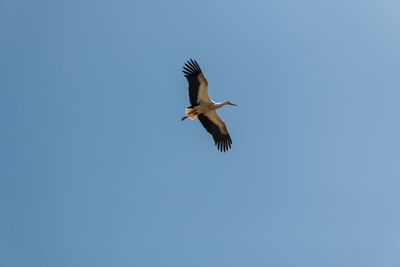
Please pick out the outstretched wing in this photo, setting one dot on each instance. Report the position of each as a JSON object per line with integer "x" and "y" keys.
{"x": 216, "y": 127}
{"x": 198, "y": 85}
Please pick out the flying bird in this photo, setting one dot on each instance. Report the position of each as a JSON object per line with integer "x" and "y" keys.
{"x": 204, "y": 108}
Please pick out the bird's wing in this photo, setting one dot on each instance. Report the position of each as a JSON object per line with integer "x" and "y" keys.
{"x": 198, "y": 85}
{"x": 216, "y": 127}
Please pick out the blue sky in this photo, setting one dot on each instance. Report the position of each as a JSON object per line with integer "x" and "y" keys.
{"x": 98, "y": 170}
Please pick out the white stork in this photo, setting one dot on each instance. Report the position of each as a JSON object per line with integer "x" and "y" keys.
{"x": 203, "y": 107}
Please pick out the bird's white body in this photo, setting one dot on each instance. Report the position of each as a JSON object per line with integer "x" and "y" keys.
{"x": 203, "y": 107}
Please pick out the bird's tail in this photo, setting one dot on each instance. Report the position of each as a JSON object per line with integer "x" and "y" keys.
{"x": 191, "y": 113}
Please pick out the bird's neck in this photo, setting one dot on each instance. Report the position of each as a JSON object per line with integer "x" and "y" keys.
{"x": 218, "y": 105}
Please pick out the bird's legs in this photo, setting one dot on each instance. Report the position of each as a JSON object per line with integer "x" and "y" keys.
{"x": 190, "y": 113}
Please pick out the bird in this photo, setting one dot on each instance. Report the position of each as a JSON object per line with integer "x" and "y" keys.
{"x": 203, "y": 108}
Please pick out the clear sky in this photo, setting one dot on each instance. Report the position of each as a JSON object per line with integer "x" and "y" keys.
{"x": 96, "y": 168}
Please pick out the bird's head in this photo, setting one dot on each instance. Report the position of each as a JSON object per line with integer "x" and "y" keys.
{"x": 229, "y": 103}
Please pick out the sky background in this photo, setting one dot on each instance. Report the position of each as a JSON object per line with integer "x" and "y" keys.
{"x": 96, "y": 168}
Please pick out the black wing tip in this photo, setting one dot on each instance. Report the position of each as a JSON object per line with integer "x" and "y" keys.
{"x": 224, "y": 144}
{"x": 191, "y": 67}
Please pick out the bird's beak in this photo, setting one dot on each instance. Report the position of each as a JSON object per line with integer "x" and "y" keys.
{"x": 233, "y": 104}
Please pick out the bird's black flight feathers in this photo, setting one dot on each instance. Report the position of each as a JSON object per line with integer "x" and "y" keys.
{"x": 191, "y": 70}
{"x": 222, "y": 141}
